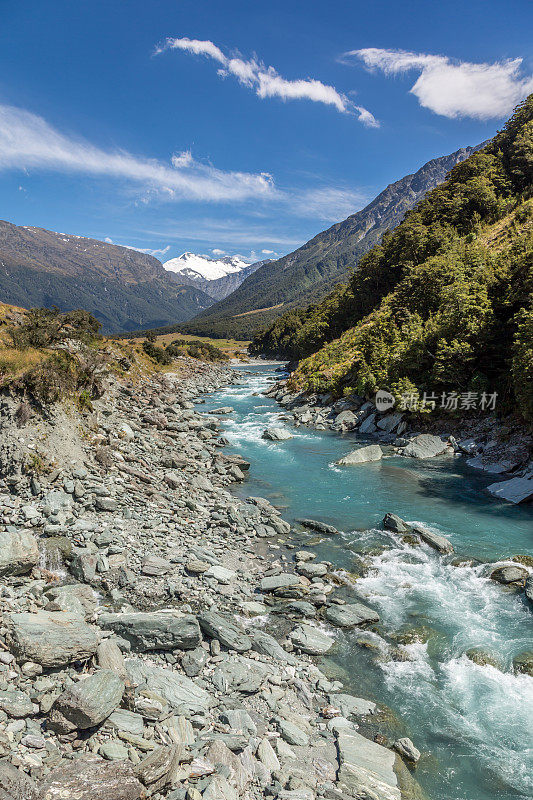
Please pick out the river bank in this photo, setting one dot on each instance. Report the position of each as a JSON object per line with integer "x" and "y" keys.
{"x": 138, "y": 602}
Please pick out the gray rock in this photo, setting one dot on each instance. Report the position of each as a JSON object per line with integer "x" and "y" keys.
{"x": 15, "y": 703}
{"x": 52, "y": 639}
{"x": 277, "y": 434}
{"x": 106, "y": 504}
{"x": 352, "y": 706}
{"x": 193, "y": 662}
{"x": 391, "y": 522}
{"x": 368, "y": 425}
{"x": 291, "y": 733}
{"x": 223, "y": 628}
{"x": 123, "y": 720}
{"x": 182, "y": 694}
{"x": 509, "y": 574}
{"x": 311, "y": 640}
{"x": 267, "y": 756}
{"x": 15, "y": 784}
{"x": 516, "y": 490}
{"x": 91, "y": 778}
{"x": 366, "y": 768}
{"x": 390, "y": 422}
{"x": 239, "y": 721}
{"x": 425, "y": 445}
{"x": 528, "y": 588}
{"x": 434, "y": 540}
{"x": 320, "y": 527}
{"x": 351, "y": 614}
{"x": 91, "y": 700}
{"x": 156, "y": 566}
{"x": 157, "y": 630}
{"x": 266, "y": 645}
{"x": 18, "y": 553}
{"x": 407, "y": 750}
{"x": 371, "y": 452}
{"x": 240, "y": 675}
{"x": 281, "y": 581}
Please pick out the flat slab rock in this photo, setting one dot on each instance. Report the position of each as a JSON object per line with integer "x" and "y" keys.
{"x": 51, "y": 638}
{"x": 18, "y": 553}
{"x": 92, "y": 778}
{"x": 311, "y": 640}
{"x": 366, "y": 768}
{"x": 277, "y": 434}
{"x": 425, "y": 445}
{"x": 316, "y": 525}
{"x": 281, "y": 581}
{"x": 182, "y": 694}
{"x": 434, "y": 540}
{"x": 91, "y": 700}
{"x": 223, "y": 628}
{"x": 351, "y": 614}
{"x": 517, "y": 490}
{"x": 157, "y": 630}
{"x": 371, "y": 452}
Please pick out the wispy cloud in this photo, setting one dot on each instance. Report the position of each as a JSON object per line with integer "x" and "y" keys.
{"x": 158, "y": 252}
{"x": 267, "y": 82}
{"x": 27, "y": 141}
{"x": 328, "y": 203}
{"x": 230, "y": 233}
{"x": 454, "y": 88}
{"x": 216, "y": 251}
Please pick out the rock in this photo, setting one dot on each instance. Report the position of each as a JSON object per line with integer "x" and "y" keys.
{"x": 267, "y": 756}
{"x": 239, "y": 721}
{"x": 523, "y": 663}
{"x": 281, "y": 581}
{"x": 346, "y": 419}
{"x": 434, "y": 540}
{"x": 183, "y": 695}
{"x": 509, "y": 574}
{"x": 220, "y": 627}
{"x": 528, "y": 588}
{"x": 390, "y": 422}
{"x": 391, "y": 522}
{"x": 320, "y": 527}
{"x": 156, "y": 765}
{"x": 193, "y": 662}
{"x": 91, "y": 778}
{"x": 277, "y": 434}
{"x": 240, "y": 675}
{"x": 266, "y": 645}
{"x": 218, "y": 788}
{"x": 15, "y": 784}
{"x": 123, "y": 720}
{"x": 91, "y": 700}
{"x": 156, "y": 566}
{"x": 483, "y": 658}
{"x": 76, "y": 598}
{"x": 157, "y": 630}
{"x": 52, "y": 639}
{"x": 113, "y": 751}
{"x": 407, "y": 750}
{"x": 371, "y": 452}
{"x": 366, "y": 768}
{"x": 368, "y": 425}
{"x": 425, "y": 445}
{"x": 311, "y": 640}
{"x": 106, "y": 504}
{"x": 352, "y": 706}
{"x": 220, "y": 574}
{"x": 291, "y": 733}
{"x": 15, "y": 703}
{"x": 18, "y": 553}
{"x": 516, "y": 490}
{"x": 109, "y": 656}
{"x": 223, "y": 410}
{"x": 351, "y": 614}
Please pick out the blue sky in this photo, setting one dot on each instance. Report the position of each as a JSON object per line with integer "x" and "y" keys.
{"x": 242, "y": 127}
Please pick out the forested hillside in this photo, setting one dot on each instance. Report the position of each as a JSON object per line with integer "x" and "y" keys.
{"x": 310, "y": 273}
{"x": 445, "y": 302}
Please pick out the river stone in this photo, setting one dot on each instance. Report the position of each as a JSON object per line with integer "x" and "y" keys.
{"x": 157, "y": 630}
{"x": 310, "y": 570}
{"x": 528, "y": 589}
{"x": 281, "y": 581}
{"x": 15, "y": 784}
{"x": 320, "y": 527}
{"x": 311, "y": 640}
{"x": 516, "y": 490}
{"x": 109, "y": 656}
{"x": 194, "y": 661}
{"x": 123, "y": 720}
{"x": 351, "y": 614}
{"x": 267, "y": 756}
{"x": 50, "y": 638}
{"x": 223, "y": 628}
{"x": 18, "y": 553}
{"x": 407, "y": 750}
{"x": 352, "y": 706}
{"x": 389, "y": 422}
{"x": 155, "y": 566}
{"x": 394, "y": 523}
{"x": 291, "y": 733}
{"x": 182, "y": 694}
{"x": 266, "y": 645}
{"x": 91, "y": 700}
{"x": 524, "y": 663}
{"x": 92, "y": 778}
{"x": 368, "y": 425}
{"x": 425, "y": 445}
{"x": 240, "y": 675}
{"x": 366, "y": 768}
{"x": 76, "y": 598}
{"x": 434, "y": 540}
{"x": 277, "y": 434}
{"x": 15, "y": 703}
{"x": 509, "y": 574}
{"x": 371, "y": 452}
{"x": 239, "y": 721}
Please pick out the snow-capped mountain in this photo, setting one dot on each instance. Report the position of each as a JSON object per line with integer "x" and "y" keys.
{"x": 217, "y": 277}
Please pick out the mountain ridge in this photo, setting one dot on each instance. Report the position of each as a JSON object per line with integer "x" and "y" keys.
{"x": 217, "y": 277}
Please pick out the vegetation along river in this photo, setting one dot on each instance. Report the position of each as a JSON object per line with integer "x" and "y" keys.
{"x": 473, "y": 722}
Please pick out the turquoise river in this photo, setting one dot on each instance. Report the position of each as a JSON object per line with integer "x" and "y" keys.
{"x": 473, "y": 723}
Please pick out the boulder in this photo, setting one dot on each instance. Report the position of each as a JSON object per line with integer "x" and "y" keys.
{"x": 425, "y": 445}
{"x": 517, "y": 490}
{"x": 368, "y": 425}
{"x": 89, "y": 701}
{"x": 292, "y": 733}
{"x": 240, "y": 675}
{"x": 281, "y": 581}
{"x": 157, "y": 630}
{"x": 320, "y": 527}
{"x": 351, "y": 614}
{"x": 528, "y": 588}
{"x": 366, "y": 768}
{"x": 92, "y": 778}
{"x": 371, "y": 452}
{"x": 49, "y": 638}
{"x": 266, "y": 645}
{"x": 407, "y": 750}
{"x": 390, "y": 422}
{"x": 434, "y": 540}
{"x": 15, "y": 784}
{"x": 311, "y": 640}
{"x": 223, "y": 628}
{"x": 391, "y": 522}
{"x": 183, "y": 695}
{"x": 509, "y": 574}
{"x": 18, "y": 553}
{"x": 277, "y": 434}
{"x": 352, "y": 706}
{"x": 15, "y": 703}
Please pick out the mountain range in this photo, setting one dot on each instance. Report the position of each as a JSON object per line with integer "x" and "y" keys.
{"x": 124, "y": 289}
{"x": 309, "y": 273}
{"x": 217, "y": 277}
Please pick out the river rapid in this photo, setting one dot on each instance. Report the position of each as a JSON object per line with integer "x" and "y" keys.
{"x": 473, "y": 723}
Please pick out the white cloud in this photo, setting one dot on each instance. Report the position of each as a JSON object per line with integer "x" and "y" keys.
{"x": 27, "y": 141}
{"x": 455, "y": 89}
{"x": 267, "y": 82}
{"x": 217, "y": 252}
{"x": 146, "y": 250}
{"x": 268, "y": 253}
{"x": 328, "y": 203}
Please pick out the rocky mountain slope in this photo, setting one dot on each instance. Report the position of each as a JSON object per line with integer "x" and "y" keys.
{"x": 309, "y": 273}
{"x": 124, "y": 289}
{"x": 217, "y": 277}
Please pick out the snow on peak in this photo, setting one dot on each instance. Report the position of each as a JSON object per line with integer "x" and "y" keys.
{"x": 209, "y": 269}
